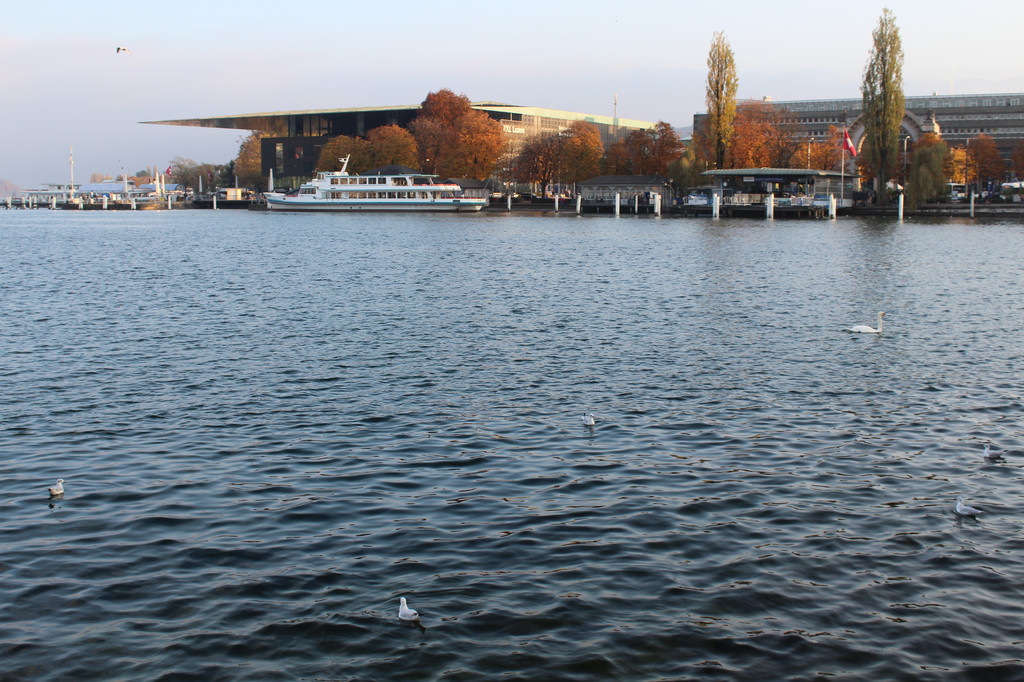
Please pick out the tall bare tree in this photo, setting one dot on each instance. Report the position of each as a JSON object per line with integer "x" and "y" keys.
{"x": 882, "y": 92}
{"x": 721, "y": 96}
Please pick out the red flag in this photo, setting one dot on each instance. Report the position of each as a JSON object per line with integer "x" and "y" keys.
{"x": 168, "y": 171}
{"x": 848, "y": 143}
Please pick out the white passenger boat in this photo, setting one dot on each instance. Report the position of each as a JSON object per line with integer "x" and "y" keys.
{"x": 339, "y": 191}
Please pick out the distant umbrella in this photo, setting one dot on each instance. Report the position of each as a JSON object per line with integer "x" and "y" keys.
{"x": 122, "y": 49}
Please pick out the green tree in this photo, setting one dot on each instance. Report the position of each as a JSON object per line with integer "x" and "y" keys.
{"x": 687, "y": 171}
{"x": 721, "y": 96}
{"x": 882, "y": 92}
{"x": 927, "y": 176}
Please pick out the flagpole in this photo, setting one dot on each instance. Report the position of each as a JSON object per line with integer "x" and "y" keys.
{"x": 842, "y": 181}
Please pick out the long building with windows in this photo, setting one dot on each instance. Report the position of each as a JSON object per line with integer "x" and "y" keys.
{"x": 296, "y": 137}
{"x": 957, "y": 118}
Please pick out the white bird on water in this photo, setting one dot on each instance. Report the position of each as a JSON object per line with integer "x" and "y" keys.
{"x": 963, "y": 510}
{"x": 990, "y": 456}
{"x": 405, "y": 613}
{"x": 588, "y": 419}
{"x": 865, "y": 329}
{"x": 57, "y": 489}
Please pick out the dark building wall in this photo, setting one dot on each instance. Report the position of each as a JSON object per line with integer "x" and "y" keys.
{"x": 290, "y": 157}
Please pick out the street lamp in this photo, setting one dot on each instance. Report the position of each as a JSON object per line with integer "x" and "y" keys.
{"x": 905, "y": 139}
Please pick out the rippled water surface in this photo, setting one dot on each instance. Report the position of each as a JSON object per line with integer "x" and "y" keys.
{"x": 272, "y": 426}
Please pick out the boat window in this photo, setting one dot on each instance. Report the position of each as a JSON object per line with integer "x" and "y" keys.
{"x": 401, "y": 182}
{"x": 421, "y": 181}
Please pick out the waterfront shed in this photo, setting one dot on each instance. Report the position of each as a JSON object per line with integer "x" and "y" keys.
{"x": 752, "y": 185}
{"x": 604, "y": 188}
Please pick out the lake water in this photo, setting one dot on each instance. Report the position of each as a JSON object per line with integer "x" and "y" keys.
{"x": 272, "y": 426}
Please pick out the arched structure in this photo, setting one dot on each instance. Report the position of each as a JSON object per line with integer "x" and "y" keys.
{"x": 913, "y": 127}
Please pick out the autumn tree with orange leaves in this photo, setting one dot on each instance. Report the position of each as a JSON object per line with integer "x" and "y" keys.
{"x": 392, "y": 144}
{"x": 581, "y": 152}
{"x": 568, "y": 156}
{"x": 825, "y": 153}
{"x": 1017, "y": 160}
{"x": 765, "y": 136}
{"x": 337, "y": 148}
{"x": 616, "y": 159}
{"x": 986, "y": 160}
{"x": 537, "y": 161}
{"x": 454, "y": 139}
{"x": 652, "y": 151}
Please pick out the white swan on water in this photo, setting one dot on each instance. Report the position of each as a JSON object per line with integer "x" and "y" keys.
{"x": 405, "y": 613}
{"x": 57, "y": 489}
{"x": 865, "y": 329}
{"x": 963, "y": 510}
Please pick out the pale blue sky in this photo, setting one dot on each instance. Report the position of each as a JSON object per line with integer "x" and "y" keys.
{"x": 64, "y": 85}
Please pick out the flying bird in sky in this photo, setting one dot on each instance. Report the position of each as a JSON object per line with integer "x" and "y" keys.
{"x": 122, "y": 49}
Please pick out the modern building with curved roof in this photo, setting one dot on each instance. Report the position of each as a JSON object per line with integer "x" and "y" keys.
{"x": 296, "y": 137}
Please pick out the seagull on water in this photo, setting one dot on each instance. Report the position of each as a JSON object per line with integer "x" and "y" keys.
{"x": 405, "y": 613}
{"x": 963, "y": 510}
{"x": 865, "y": 329}
{"x": 123, "y": 49}
{"x": 991, "y": 457}
{"x": 588, "y": 419}
{"x": 58, "y": 489}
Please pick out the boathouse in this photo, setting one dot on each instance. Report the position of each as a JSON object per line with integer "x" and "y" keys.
{"x": 789, "y": 185}
{"x": 628, "y": 187}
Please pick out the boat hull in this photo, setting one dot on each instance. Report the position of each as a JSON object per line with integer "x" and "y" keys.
{"x": 441, "y": 205}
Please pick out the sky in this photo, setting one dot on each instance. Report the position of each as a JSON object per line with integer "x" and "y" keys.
{"x": 65, "y": 86}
